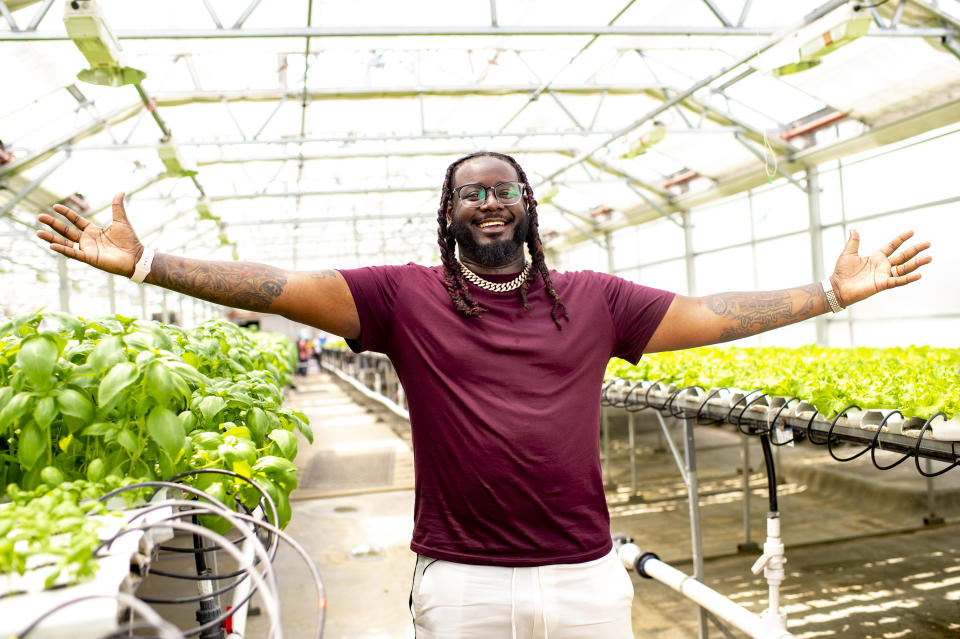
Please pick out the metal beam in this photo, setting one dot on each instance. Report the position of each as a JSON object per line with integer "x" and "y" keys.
{"x": 903, "y": 129}
{"x": 546, "y": 85}
{"x": 403, "y": 32}
{"x": 689, "y": 91}
{"x": 90, "y": 129}
{"x": 39, "y": 15}
{"x": 715, "y": 10}
{"x": 375, "y": 93}
{"x": 246, "y": 14}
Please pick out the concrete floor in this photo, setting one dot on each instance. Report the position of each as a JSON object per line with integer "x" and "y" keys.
{"x": 861, "y": 561}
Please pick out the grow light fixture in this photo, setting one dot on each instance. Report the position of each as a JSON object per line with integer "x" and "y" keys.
{"x": 848, "y": 23}
{"x": 640, "y": 139}
{"x": 89, "y": 30}
{"x": 175, "y": 163}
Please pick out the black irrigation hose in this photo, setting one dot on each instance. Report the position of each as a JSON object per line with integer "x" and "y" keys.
{"x": 831, "y": 440}
{"x": 678, "y": 414}
{"x": 771, "y": 472}
{"x": 773, "y": 424}
{"x": 743, "y": 412}
{"x": 646, "y": 396}
{"x": 626, "y": 399}
{"x": 876, "y": 441}
{"x": 809, "y": 431}
{"x": 698, "y": 418}
{"x": 734, "y": 407}
{"x": 212, "y": 623}
{"x": 916, "y": 452}
{"x": 603, "y": 393}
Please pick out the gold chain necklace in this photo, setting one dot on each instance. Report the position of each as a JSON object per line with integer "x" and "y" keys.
{"x": 496, "y": 287}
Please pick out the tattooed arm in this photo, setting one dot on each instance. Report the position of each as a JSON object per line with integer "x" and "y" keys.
{"x": 698, "y": 321}
{"x": 319, "y": 299}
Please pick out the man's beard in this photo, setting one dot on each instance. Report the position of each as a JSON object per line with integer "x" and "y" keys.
{"x": 490, "y": 254}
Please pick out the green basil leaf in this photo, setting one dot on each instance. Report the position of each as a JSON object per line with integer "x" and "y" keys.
{"x": 280, "y": 501}
{"x": 68, "y": 323}
{"x": 37, "y": 359}
{"x": 206, "y": 440}
{"x": 107, "y": 353}
{"x": 128, "y": 440}
{"x": 99, "y": 429}
{"x": 31, "y": 446}
{"x": 74, "y": 403}
{"x": 96, "y": 470}
{"x": 277, "y": 469}
{"x": 211, "y": 405}
{"x": 159, "y": 383}
{"x": 45, "y": 412}
{"x": 113, "y": 383}
{"x": 188, "y": 420}
{"x": 15, "y": 408}
{"x": 286, "y": 441}
{"x": 165, "y": 428}
{"x": 258, "y": 423}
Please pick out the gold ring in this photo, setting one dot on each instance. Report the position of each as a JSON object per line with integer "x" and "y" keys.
{"x": 895, "y": 271}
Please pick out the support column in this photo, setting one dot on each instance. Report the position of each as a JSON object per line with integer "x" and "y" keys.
{"x": 816, "y": 245}
{"x": 112, "y": 293}
{"x": 693, "y": 493}
{"x": 688, "y": 253}
{"x": 608, "y": 241}
{"x": 143, "y": 301}
{"x": 164, "y": 313}
{"x": 64, "y": 284}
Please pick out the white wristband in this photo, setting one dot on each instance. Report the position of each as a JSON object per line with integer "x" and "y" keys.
{"x": 143, "y": 265}
{"x": 831, "y": 296}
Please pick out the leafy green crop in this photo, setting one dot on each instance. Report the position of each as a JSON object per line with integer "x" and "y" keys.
{"x": 918, "y": 380}
{"x": 116, "y": 397}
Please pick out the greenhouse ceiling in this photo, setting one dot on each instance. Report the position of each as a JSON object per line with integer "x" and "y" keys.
{"x": 311, "y": 133}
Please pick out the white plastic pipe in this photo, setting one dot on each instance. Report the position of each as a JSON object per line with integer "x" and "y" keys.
{"x": 703, "y": 595}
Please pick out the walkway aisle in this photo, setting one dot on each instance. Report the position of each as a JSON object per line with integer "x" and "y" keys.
{"x": 353, "y": 512}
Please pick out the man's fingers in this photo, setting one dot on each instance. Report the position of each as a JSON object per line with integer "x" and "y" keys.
{"x": 75, "y": 218}
{"x": 853, "y": 243}
{"x": 67, "y": 231}
{"x": 49, "y": 237}
{"x": 69, "y": 251}
{"x": 119, "y": 213}
{"x": 895, "y": 243}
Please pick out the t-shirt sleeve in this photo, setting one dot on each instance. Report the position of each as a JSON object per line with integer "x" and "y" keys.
{"x": 374, "y": 289}
{"x": 636, "y": 312}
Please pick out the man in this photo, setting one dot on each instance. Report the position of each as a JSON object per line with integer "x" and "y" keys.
{"x": 502, "y": 363}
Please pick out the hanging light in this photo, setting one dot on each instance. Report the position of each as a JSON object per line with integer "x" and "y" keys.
{"x": 89, "y": 30}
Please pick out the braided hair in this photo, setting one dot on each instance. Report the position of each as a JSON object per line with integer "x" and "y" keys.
{"x": 453, "y": 278}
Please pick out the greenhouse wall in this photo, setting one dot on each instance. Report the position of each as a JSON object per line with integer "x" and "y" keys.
{"x": 761, "y": 240}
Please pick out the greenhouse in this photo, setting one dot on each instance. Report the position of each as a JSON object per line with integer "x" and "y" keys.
{"x": 274, "y": 363}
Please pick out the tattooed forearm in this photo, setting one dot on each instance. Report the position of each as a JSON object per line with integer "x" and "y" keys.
{"x": 752, "y": 313}
{"x": 323, "y": 275}
{"x": 239, "y": 284}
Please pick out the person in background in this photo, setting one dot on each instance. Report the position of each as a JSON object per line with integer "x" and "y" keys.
{"x": 318, "y": 341}
{"x": 502, "y": 362}
{"x": 304, "y": 352}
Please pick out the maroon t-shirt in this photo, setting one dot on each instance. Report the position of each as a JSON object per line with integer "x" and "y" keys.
{"x": 505, "y": 408}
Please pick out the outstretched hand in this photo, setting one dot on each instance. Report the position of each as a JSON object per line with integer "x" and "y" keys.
{"x": 114, "y": 249}
{"x": 856, "y": 278}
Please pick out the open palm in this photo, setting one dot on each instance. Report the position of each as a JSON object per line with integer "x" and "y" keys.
{"x": 114, "y": 249}
{"x": 855, "y": 278}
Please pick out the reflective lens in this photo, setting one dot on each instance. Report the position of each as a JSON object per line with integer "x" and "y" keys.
{"x": 507, "y": 193}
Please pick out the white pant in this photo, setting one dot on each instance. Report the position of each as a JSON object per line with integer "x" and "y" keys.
{"x": 561, "y": 601}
